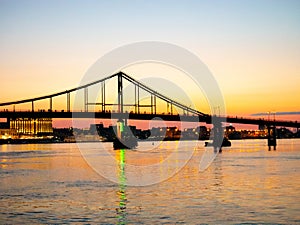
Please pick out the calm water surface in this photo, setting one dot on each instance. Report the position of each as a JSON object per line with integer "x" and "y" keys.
{"x": 52, "y": 183}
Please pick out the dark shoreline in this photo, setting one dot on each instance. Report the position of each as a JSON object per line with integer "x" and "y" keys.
{"x": 50, "y": 141}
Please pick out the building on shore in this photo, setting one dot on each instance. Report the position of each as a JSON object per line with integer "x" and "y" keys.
{"x": 28, "y": 126}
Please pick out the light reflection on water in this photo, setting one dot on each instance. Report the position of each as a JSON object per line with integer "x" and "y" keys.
{"x": 245, "y": 184}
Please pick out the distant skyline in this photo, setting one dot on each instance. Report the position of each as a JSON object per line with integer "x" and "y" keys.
{"x": 251, "y": 47}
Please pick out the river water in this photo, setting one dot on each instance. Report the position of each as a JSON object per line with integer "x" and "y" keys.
{"x": 246, "y": 183}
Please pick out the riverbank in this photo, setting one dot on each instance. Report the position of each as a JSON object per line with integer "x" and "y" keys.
{"x": 88, "y": 140}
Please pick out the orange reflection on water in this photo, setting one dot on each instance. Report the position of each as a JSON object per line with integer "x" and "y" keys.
{"x": 146, "y": 154}
{"x": 254, "y": 186}
{"x": 3, "y": 163}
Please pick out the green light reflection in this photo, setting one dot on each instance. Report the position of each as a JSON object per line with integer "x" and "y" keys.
{"x": 121, "y": 210}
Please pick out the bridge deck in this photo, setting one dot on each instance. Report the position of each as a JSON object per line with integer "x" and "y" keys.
{"x": 133, "y": 116}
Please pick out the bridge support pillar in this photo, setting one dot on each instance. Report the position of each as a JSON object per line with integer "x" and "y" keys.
{"x": 218, "y": 140}
{"x": 272, "y": 137}
{"x": 120, "y": 128}
{"x": 50, "y": 107}
{"x": 120, "y": 93}
{"x": 218, "y": 135}
{"x": 68, "y": 102}
{"x": 103, "y": 95}
{"x": 138, "y": 99}
{"x": 86, "y": 99}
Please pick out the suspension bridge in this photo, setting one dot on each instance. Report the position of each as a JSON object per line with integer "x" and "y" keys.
{"x": 138, "y": 113}
{"x": 40, "y": 121}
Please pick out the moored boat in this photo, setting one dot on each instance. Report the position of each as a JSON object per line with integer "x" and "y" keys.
{"x": 225, "y": 143}
{"x": 125, "y": 143}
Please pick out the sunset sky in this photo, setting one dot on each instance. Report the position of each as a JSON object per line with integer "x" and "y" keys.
{"x": 251, "y": 47}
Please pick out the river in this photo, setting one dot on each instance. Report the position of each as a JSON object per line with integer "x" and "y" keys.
{"x": 55, "y": 184}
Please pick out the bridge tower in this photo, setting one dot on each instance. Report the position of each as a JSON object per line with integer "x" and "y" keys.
{"x": 122, "y": 141}
{"x": 120, "y": 122}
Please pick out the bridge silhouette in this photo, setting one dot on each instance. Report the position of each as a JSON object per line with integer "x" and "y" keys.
{"x": 189, "y": 114}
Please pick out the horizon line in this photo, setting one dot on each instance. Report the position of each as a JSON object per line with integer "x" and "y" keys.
{"x": 276, "y": 113}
